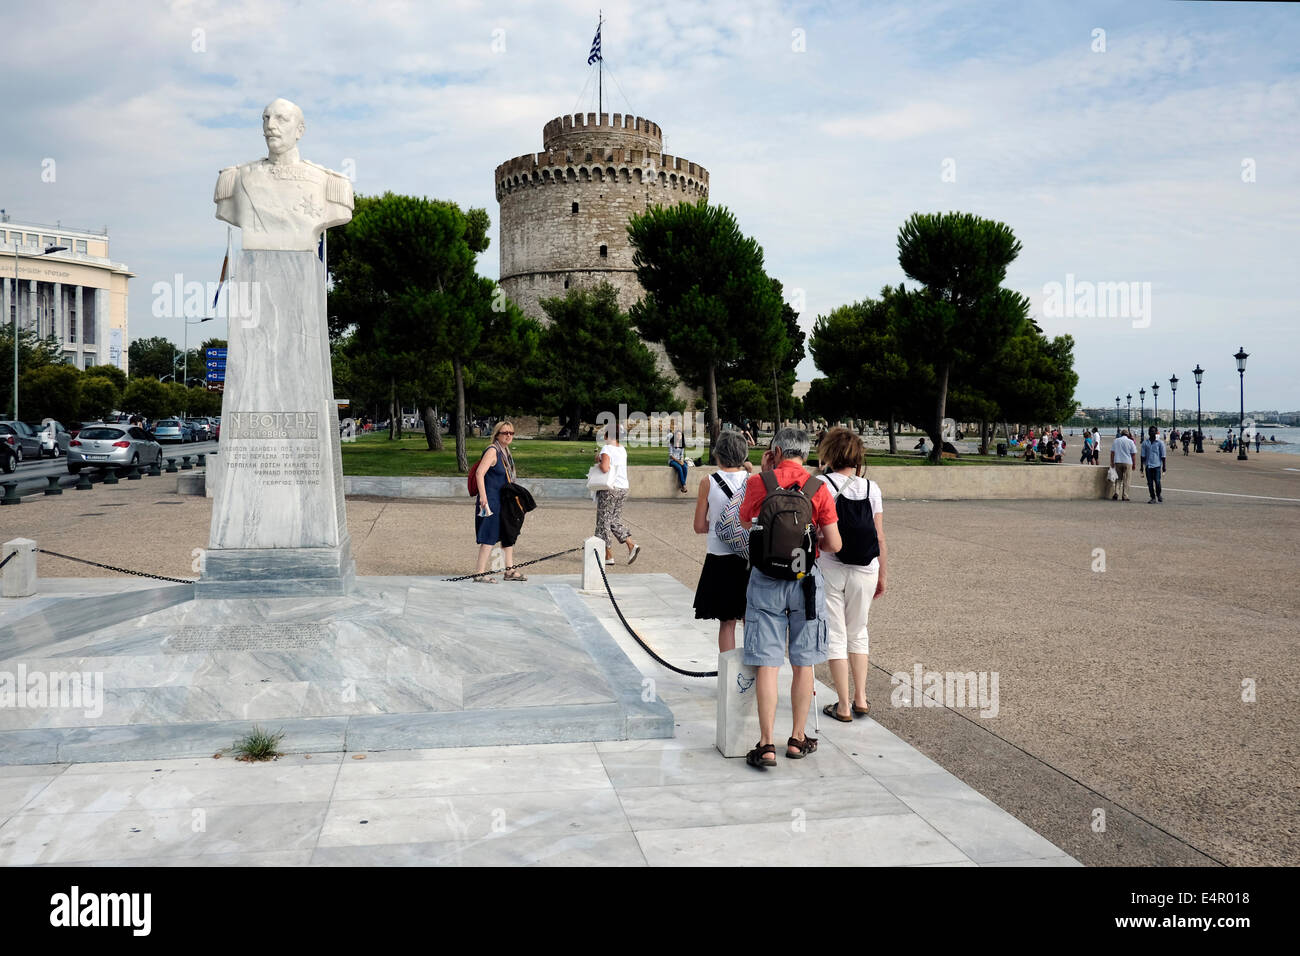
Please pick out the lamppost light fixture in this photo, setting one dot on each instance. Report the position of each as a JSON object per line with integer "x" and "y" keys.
{"x": 1241, "y": 357}
{"x": 1198, "y": 372}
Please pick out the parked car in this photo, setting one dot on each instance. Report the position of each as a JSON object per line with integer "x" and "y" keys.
{"x": 54, "y": 438}
{"x": 22, "y": 438}
{"x": 203, "y": 428}
{"x": 100, "y": 445}
{"x": 173, "y": 430}
{"x": 8, "y": 458}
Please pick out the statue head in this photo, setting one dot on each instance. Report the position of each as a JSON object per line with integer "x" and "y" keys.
{"x": 282, "y": 125}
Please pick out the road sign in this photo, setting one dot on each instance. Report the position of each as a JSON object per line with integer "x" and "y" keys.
{"x": 216, "y": 354}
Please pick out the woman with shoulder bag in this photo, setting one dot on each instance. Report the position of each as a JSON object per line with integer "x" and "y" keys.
{"x": 608, "y": 478}
{"x": 495, "y": 469}
{"x": 720, "y": 594}
{"x": 855, "y": 575}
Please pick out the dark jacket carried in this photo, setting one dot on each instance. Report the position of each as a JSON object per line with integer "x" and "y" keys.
{"x": 516, "y": 501}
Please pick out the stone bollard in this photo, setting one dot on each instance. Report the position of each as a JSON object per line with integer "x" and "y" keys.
{"x": 53, "y": 488}
{"x": 133, "y": 473}
{"x": 171, "y": 466}
{"x": 11, "y": 494}
{"x": 185, "y": 463}
{"x": 19, "y": 575}
{"x": 155, "y": 470}
{"x": 593, "y": 554}
{"x": 737, "y": 721}
{"x": 202, "y": 461}
{"x": 110, "y": 475}
{"x": 83, "y": 481}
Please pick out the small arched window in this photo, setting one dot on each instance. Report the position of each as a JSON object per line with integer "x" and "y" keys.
{"x": 604, "y": 252}
{"x": 575, "y": 208}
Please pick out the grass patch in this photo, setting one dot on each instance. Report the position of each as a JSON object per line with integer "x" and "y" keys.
{"x": 258, "y": 744}
{"x": 375, "y": 454}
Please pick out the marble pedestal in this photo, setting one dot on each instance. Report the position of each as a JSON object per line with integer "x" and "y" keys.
{"x": 278, "y": 521}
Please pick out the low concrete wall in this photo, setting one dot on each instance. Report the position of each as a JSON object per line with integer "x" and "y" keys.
{"x": 945, "y": 483}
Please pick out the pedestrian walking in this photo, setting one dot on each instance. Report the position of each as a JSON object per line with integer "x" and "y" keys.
{"x": 720, "y": 593}
{"x": 611, "y": 459}
{"x": 1123, "y": 455}
{"x": 494, "y": 470}
{"x": 1153, "y": 463}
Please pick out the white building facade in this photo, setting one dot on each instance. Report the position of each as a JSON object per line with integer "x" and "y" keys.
{"x": 79, "y": 296}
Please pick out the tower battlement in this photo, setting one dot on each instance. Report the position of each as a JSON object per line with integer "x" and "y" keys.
{"x": 567, "y": 132}
{"x": 603, "y": 165}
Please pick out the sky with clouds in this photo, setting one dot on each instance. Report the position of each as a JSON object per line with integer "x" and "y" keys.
{"x": 1163, "y": 151}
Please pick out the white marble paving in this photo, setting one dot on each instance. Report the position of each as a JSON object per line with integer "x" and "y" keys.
{"x": 864, "y": 798}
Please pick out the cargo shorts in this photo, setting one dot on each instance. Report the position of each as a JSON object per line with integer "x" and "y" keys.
{"x": 775, "y": 621}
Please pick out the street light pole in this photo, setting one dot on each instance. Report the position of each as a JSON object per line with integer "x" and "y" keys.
{"x": 1241, "y": 357}
{"x": 1128, "y": 410}
{"x": 1173, "y": 387}
{"x": 47, "y": 251}
{"x": 1198, "y": 372}
{"x": 1116, "y": 416}
{"x": 1155, "y": 404}
{"x": 1142, "y": 409}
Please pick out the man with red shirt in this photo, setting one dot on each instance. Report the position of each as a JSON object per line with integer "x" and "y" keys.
{"x": 775, "y": 613}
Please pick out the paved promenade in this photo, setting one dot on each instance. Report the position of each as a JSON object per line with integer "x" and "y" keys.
{"x": 1121, "y": 691}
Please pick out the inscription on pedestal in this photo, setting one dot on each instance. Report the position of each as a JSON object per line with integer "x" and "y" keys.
{"x": 271, "y": 425}
{"x": 245, "y": 637}
{"x": 288, "y": 463}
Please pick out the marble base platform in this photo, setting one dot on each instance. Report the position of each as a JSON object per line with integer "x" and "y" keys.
{"x": 398, "y": 663}
{"x": 280, "y": 572}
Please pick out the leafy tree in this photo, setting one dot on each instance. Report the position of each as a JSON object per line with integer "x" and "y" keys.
{"x": 591, "y": 360}
{"x": 405, "y": 277}
{"x": 153, "y": 357}
{"x": 497, "y": 377}
{"x": 707, "y": 298}
{"x": 52, "y": 391}
{"x": 100, "y": 397}
{"x": 33, "y": 353}
{"x": 110, "y": 372}
{"x": 961, "y": 313}
{"x": 743, "y": 398}
{"x": 147, "y": 397}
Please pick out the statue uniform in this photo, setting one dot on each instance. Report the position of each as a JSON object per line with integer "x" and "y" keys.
{"x": 282, "y": 205}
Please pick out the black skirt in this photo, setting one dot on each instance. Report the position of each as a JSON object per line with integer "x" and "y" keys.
{"x": 720, "y": 595}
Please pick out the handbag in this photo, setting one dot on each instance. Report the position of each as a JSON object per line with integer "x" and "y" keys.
{"x": 598, "y": 480}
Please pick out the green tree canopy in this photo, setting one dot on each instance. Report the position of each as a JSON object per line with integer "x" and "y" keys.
{"x": 147, "y": 397}
{"x": 591, "y": 360}
{"x": 51, "y": 391}
{"x": 961, "y": 313}
{"x": 707, "y": 298}
{"x": 33, "y": 353}
{"x": 100, "y": 397}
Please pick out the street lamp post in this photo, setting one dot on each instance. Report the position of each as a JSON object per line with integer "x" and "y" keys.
{"x": 1198, "y": 372}
{"x": 1142, "y": 409}
{"x": 47, "y": 251}
{"x": 1128, "y": 411}
{"x": 1155, "y": 404}
{"x": 1173, "y": 387}
{"x": 1116, "y": 416}
{"x": 1241, "y": 357}
{"x": 185, "y": 377}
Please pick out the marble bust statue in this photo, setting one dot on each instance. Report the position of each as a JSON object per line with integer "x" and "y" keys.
{"x": 283, "y": 201}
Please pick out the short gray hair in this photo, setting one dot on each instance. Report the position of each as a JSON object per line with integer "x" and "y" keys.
{"x": 793, "y": 442}
{"x": 731, "y": 449}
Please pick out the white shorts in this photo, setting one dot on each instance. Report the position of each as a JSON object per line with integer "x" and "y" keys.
{"x": 850, "y": 589}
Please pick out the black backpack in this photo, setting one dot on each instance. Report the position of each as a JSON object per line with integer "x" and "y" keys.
{"x": 857, "y": 527}
{"x": 783, "y": 537}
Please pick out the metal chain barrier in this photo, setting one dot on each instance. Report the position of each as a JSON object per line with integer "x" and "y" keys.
{"x": 109, "y": 567}
{"x": 8, "y": 558}
{"x": 480, "y": 574}
{"x": 637, "y": 637}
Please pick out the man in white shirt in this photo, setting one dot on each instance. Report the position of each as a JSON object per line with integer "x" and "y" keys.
{"x": 1123, "y": 456}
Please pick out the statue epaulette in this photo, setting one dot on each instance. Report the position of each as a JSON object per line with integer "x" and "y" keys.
{"x": 226, "y": 183}
{"x": 338, "y": 188}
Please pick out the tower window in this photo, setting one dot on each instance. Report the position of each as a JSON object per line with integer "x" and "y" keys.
{"x": 575, "y": 208}
{"x": 566, "y": 283}
{"x": 604, "y": 252}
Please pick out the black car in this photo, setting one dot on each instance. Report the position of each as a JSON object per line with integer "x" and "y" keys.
{"x": 8, "y": 458}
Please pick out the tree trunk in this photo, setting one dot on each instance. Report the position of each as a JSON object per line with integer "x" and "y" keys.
{"x": 893, "y": 435}
{"x": 462, "y": 463}
{"x": 714, "y": 425}
{"x": 432, "y": 433}
{"x": 984, "y": 437}
{"x": 936, "y": 423}
{"x": 394, "y": 427}
{"x": 776, "y": 391}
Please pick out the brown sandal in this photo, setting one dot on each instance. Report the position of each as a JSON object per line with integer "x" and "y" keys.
{"x": 805, "y": 747}
{"x": 863, "y": 711}
{"x": 755, "y": 757}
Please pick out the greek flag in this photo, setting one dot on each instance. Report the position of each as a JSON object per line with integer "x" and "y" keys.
{"x": 595, "y": 49}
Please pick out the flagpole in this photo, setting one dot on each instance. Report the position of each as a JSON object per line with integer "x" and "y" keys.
{"x": 600, "y": 65}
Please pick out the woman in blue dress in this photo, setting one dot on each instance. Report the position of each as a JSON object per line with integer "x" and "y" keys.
{"x": 495, "y": 469}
